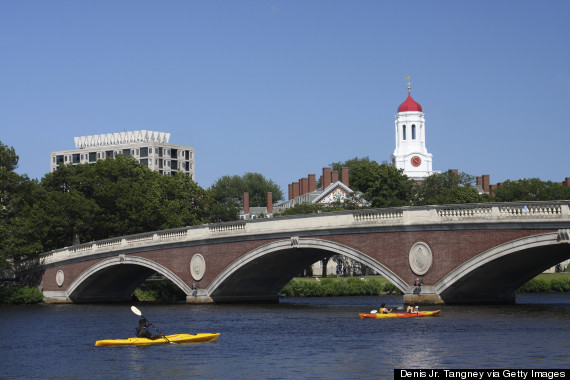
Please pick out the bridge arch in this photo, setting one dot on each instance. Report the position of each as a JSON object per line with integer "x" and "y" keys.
{"x": 262, "y": 272}
{"x": 115, "y": 279}
{"x": 495, "y": 274}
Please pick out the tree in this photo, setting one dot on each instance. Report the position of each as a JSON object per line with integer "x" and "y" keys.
{"x": 383, "y": 185}
{"x": 446, "y": 188}
{"x": 116, "y": 197}
{"x": 532, "y": 189}
{"x": 18, "y": 230}
{"x": 229, "y": 190}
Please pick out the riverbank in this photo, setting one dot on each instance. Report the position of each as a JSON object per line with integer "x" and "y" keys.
{"x": 376, "y": 285}
{"x": 156, "y": 290}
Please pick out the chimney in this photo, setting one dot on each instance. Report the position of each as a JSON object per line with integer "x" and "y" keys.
{"x": 304, "y": 184}
{"x": 485, "y": 183}
{"x": 295, "y": 189}
{"x": 344, "y": 176}
{"x": 326, "y": 177}
{"x": 290, "y": 191}
{"x": 312, "y": 183}
{"x": 269, "y": 203}
{"x": 334, "y": 177}
{"x": 246, "y": 203}
{"x": 479, "y": 181}
{"x": 567, "y": 182}
{"x": 455, "y": 171}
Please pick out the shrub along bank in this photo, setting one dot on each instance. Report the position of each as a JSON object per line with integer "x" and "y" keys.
{"x": 165, "y": 291}
{"x": 15, "y": 294}
{"x": 351, "y": 286}
{"x": 547, "y": 282}
{"x": 338, "y": 286}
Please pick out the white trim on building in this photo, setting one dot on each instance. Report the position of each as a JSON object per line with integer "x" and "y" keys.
{"x": 147, "y": 147}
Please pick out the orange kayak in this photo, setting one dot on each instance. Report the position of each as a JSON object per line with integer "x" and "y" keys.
{"x": 400, "y": 315}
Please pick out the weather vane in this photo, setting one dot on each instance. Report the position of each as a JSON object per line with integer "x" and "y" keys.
{"x": 409, "y": 84}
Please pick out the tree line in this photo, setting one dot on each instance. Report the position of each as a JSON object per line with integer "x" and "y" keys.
{"x": 116, "y": 197}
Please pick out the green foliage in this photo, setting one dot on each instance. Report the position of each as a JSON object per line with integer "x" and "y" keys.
{"x": 18, "y": 230}
{"x": 20, "y": 295}
{"x": 547, "y": 282}
{"x": 382, "y": 185}
{"x": 229, "y": 190}
{"x": 303, "y": 208}
{"x": 331, "y": 287}
{"x": 159, "y": 291}
{"x": 532, "y": 189}
{"x": 446, "y": 188}
{"x": 116, "y": 197}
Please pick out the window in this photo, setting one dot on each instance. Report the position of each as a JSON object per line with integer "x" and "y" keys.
{"x": 159, "y": 152}
{"x": 144, "y": 161}
{"x": 76, "y": 158}
{"x": 92, "y": 156}
{"x": 413, "y": 131}
{"x": 127, "y": 152}
{"x": 109, "y": 154}
{"x": 144, "y": 152}
{"x": 404, "y": 132}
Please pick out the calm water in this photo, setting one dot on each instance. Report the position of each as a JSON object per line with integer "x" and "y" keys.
{"x": 299, "y": 338}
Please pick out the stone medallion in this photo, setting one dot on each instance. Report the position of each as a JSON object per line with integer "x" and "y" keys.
{"x": 197, "y": 266}
{"x": 59, "y": 278}
{"x": 420, "y": 258}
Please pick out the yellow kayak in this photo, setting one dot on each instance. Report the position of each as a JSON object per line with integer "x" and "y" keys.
{"x": 400, "y": 315}
{"x": 176, "y": 338}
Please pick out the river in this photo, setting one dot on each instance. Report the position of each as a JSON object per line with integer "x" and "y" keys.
{"x": 317, "y": 338}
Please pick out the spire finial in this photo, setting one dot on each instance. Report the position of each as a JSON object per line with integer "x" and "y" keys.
{"x": 409, "y": 84}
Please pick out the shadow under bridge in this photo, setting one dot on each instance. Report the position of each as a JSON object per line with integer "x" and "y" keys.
{"x": 260, "y": 275}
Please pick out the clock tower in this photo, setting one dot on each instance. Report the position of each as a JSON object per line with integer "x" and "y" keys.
{"x": 411, "y": 153}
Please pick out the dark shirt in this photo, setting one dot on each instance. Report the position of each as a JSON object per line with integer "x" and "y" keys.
{"x": 143, "y": 332}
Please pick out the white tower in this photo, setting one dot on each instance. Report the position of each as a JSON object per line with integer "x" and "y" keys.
{"x": 411, "y": 153}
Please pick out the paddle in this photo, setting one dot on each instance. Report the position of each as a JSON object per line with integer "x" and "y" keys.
{"x": 135, "y": 310}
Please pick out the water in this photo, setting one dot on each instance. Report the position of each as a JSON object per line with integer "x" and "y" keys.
{"x": 317, "y": 338}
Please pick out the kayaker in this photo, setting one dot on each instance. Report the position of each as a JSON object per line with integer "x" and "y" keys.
{"x": 144, "y": 332}
{"x": 412, "y": 309}
{"x": 383, "y": 309}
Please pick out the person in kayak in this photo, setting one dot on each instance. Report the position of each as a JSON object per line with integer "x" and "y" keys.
{"x": 144, "y": 332}
{"x": 412, "y": 309}
{"x": 384, "y": 310}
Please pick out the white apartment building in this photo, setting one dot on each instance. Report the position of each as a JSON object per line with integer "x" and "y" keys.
{"x": 147, "y": 147}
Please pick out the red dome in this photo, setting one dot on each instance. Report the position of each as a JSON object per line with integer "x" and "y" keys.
{"x": 410, "y": 105}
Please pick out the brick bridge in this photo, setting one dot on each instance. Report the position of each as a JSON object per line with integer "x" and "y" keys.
{"x": 473, "y": 253}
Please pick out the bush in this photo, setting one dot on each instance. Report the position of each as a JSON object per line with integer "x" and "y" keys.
{"x": 536, "y": 285}
{"x": 20, "y": 295}
{"x": 159, "y": 290}
{"x": 331, "y": 287}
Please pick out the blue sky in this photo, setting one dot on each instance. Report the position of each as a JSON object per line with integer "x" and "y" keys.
{"x": 284, "y": 88}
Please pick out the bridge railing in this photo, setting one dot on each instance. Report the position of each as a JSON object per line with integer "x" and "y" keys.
{"x": 554, "y": 211}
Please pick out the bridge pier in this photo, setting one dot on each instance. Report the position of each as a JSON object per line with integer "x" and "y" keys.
{"x": 422, "y": 295}
{"x": 56, "y": 297}
{"x": 199, "y": 296}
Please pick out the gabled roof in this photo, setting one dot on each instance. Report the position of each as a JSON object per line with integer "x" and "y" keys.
{"x": 332, "y": 187}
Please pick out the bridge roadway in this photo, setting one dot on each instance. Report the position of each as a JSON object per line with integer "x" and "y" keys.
{"x": 471, "y": 253}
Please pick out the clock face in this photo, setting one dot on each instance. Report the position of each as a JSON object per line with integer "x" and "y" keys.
{"x": 416, "y": 161}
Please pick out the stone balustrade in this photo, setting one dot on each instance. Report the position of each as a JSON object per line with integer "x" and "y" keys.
{"x": 555, "y": 211}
